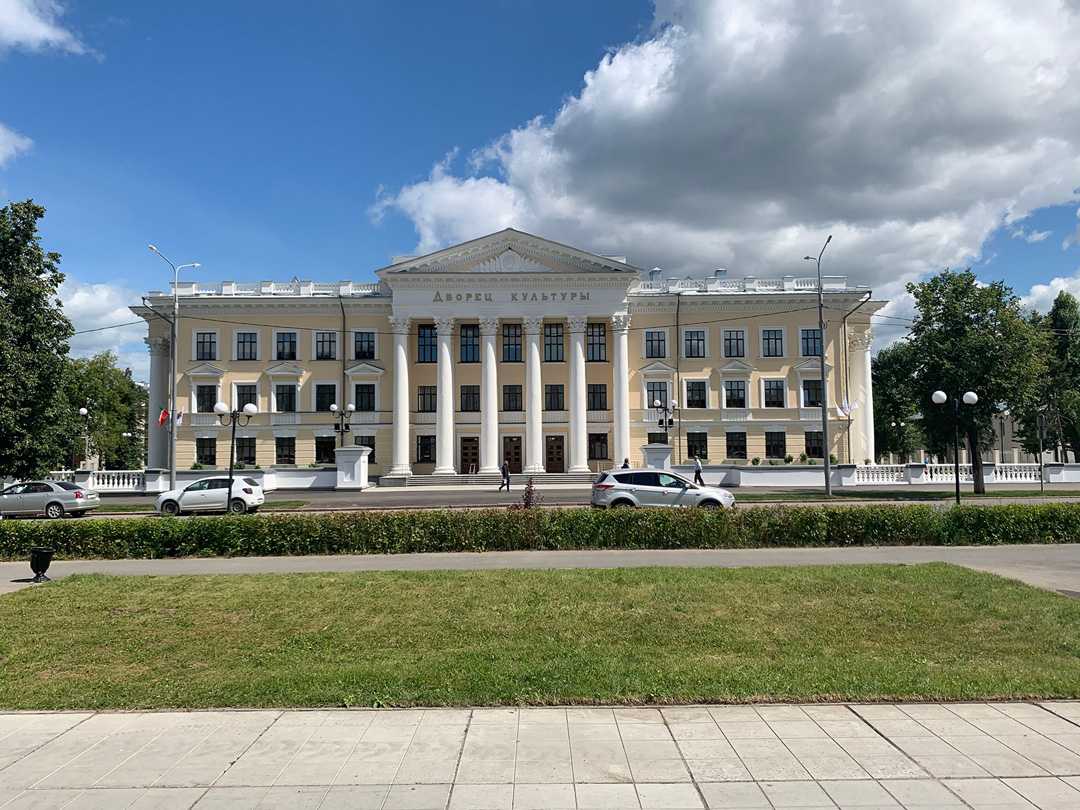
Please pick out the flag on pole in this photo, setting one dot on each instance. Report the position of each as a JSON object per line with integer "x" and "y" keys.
{"x": 163, "y": 417}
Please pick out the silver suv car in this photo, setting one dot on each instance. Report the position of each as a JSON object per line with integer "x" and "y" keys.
{"x": 646, "y": 487}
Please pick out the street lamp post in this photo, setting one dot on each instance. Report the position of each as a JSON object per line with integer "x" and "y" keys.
{"x": 969, "y": 398}
{"x": 343, "y": 420}
{"x": 172, "y": 365}
{"x": 229, "y": 418}
{"x": 898, "y": 428}
{"x": 826, "y": 450}
{"x": 1041, "y": 421}
{"x": 665, "y": 415}
{"x": 85, "y": 414}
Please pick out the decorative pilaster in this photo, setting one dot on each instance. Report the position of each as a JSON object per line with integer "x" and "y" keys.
{"x": 620, "y": 327}
{"x": 444, "y": 427}
{"x": 579, "y": 456}
{"x": 400, "y": 464}
{"x": 534, "y": 393}
{"x": 489, "y": 397}
{"x": 157, "y": 450}
{"x": 862, "y": 343}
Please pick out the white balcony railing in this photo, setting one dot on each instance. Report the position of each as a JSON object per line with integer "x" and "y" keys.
{"x": 121, "y": 480}
{"x": 204, "y": 420}
{"x": 1009, "y": 473}
{"x": 944, "y": 473}
{"x": 598, "y": 416}
{"x": 880, "y": 474}
{"x": 284, "y": 419}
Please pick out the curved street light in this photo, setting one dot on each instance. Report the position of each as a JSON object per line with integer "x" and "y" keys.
{"x": 230, "y": 418}
{"x": 665, "y": 415}
{"x": 343, "y": 419}
{"x": 825, "y": 449}
{"x": 969, "y": 398}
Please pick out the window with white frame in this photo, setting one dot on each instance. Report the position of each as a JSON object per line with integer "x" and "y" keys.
{"x": 815, "y": 444}
{"x": 470, "y": 398}
{"x": 772, "y": 342}
{"x": 245, "y": 450}
{"x": 470, "y": 343}
{"x": 596, "y": 397}
{"x": 598, "y": 446}
{"x": 810, "y": 342}
{"x": 284, "y": 449}
{"x": 285, "y": 346}
{"x": 697, "y": 445}
{"x": 285, "y": 397}
{"x": 364, "y": 394}
{"x": 697, "y": 394}
{"x": 775, "y": 444}
{"x": 427, "y": 343}
{"x": 553, "y": 398}
{"x": 735, "y": 393}
{"x": 206, "y": 451}
{"x": 736, "y": 444}
{"x": 205, "y": 398}
{"x": 425, "y": 449}
{"x": 246, "y": 393}
{"x": 363, "y": 346}
{"x": 325, "y": 396}
{"x": 811, "y": 392}
{"x": 734, "y": 343}
{"x": 655, "y": 343}
{"x": 512, "y": 398}
{"x": 206, "y": 345}
{"x": 693, "y": 343}
{"x": 655, "y": 391}
{"x": 596, "y": 343}
{"x": 326, "y": 345}
{"x": 247, "y": 345}
{"x": 426, "y": 398}
{"x": 554, "y": 343}
{"x": 773, "y": 393}
{"x": 324, "y": 449}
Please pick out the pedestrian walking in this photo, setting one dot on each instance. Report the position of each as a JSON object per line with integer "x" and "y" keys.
{"x": 505, "y": 470}
{"x": 697, "y": 472}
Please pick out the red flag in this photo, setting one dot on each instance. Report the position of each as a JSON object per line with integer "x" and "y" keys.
{"x": 163, "y": 417}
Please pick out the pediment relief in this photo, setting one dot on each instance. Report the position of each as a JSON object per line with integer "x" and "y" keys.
{"x": 205, "y": 370}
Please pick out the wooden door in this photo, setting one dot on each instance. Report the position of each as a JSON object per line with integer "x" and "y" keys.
{"x": 512, "y": 452}
{"x": 470, "y": 455}
{"x": 554, "y": 457}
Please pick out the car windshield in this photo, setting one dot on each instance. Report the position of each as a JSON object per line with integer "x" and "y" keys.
{"x": 70, "y": 487}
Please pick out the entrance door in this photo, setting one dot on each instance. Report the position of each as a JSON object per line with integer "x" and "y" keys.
{"x": 554, "y": 458}
{"x": 470, "y": 454}
{"x": 512, "y": 453}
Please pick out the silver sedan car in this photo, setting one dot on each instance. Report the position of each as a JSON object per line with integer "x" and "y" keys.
{"x": 646, "y": 487}
{"x": 53, "y": 499}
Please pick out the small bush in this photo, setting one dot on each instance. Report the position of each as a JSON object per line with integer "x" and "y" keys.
{"x": 756, "y": 461}
{"x": 788, "y": 458}
{"x": 529, "y": 529}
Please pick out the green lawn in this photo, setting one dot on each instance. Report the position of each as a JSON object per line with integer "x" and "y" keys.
{"x": 871, "y": 494}
{"x": 613, "y": 636}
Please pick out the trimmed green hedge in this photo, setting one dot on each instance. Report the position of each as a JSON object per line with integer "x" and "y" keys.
{"x": 506, "y": 530}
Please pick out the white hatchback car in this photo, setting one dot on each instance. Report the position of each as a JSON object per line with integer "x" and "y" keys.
{"x": 208, "y": 495}
{"x": 648, "y": 487}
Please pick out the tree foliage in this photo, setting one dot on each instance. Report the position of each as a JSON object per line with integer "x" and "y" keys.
{"x": 115, "y": 405}
{"x": 34, "y": 336}
{"x": 969, "y": 336}
{"x": 896, "y": 422}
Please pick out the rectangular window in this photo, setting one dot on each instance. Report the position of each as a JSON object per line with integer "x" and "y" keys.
{"x": 811, "y": 342}
{"x": 815, "y": 444}
{"x": 774, "y": 394}
{"x": 245, "y": 450}
{"x": 364, "y": 394}
{"x": 425, "y": 449}
{"x": 325, "y": 396}
{"x": 694, "y": 343}
{"x": 247, "y": 345}
{"x": 775, "y": 444}
{"x": 470, "y": 343}
{"x": 772, "y": 342}
{"x": 657, "y": 438}
{"x": 655, "y": 391}
{"x": 363, "y": 346}
{"x": 206, "y": 346}
{"x": 285, "y": 346}
{"x": 324, "y": 449}
{"x": 511, "y": 398}
{"x": 697, "y": 445}
{"x": 596, "y": 397}
{"x": 553, "y": 343}
{"x": 205, "y": 398}
{"x": 206, "y": 452}
{"x": 655, "y": 343}
{"x": 246, "y": 393}
{"x": 736, "y": 445}
{"x": 427, "y": 344}
{"x": 734, "y": 393}
{"x": 598, "y": 446}
{"x": 697, "y": 394}
{"x": 366, "y": 441}
{"x": 426, "y": 398}
{"x": 470, "y": 398}
{"x": 553, "y": 398}
{"x": 596, "y": 342}
{"x": 285, "y": 395}
{"x": 811, "y": 393}
{"x": 326, "y": 346}
{"x": 734, "y": 343}
{"x": 511, "y": 343}
{"x": 284, "y": 450}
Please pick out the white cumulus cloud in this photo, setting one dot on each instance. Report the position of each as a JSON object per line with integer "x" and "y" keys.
{"x": 1041, "y": 296}
{"x": 11, "y": 144}
{"x": 35, "y": 25}
{"x": 94, "y": 305}
{"x": 739, "y": 133}
{"x": 1074, "y": 237}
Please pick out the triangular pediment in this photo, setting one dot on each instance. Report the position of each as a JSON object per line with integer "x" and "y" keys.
{"x": 205, "y": 370}
{"x": 285, "y": 369}
{"x": 508, "y": 251}
{"x": 363, "y": 370}
{"x": 657, "y": 368}
{"x": 736, "y": 365}
{"x": 811, "y": 364}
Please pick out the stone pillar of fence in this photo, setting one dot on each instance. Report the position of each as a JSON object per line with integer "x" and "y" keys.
{"x": 843, "y": 475}
{"x": 156, "y": 480}
{"x": 915, "y": 473}
{"x": 988, "y": 471}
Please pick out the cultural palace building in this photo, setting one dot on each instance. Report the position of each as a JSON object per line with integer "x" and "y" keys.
{"x": 512, "y": 346}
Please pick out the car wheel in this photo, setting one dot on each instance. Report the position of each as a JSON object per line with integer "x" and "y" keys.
{"x": 710, "y": 505}
{"x": 54, "y": 511}
{"x": 622, "y": 504}
{"x": 237, "y": 506}
{"x": 170, "y": 508}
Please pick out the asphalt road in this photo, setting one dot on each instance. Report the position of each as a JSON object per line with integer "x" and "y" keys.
{"x": 1054, "y": 567}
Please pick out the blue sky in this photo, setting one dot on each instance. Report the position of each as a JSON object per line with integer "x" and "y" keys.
{"x": 269, "y": 141}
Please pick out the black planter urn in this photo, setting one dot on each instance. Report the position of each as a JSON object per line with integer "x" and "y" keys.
{"x": 40, "y": 559}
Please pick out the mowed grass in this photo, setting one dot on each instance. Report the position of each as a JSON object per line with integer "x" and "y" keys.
{"x": 664, "y": 635}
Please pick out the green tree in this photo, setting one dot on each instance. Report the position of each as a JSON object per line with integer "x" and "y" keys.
{"x": 115, "y": 405}
{"x": 969, "y": 336}
{"x": 34, "y": 338}
{"x": 895, "y": 403}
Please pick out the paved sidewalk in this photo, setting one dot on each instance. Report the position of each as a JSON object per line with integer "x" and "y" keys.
{"x": 1054, "y": 567}
{"x": 1008, "y": 755}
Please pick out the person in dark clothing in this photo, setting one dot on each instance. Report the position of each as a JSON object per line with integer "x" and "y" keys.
{"x": 626, "y": 464}
{"x": 505, "y": 470}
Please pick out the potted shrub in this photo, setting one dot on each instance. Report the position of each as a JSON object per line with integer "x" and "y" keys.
{"x": 788, "y": 458}
{"x": 756, "y": 461}
{"x": 802, "y": 458}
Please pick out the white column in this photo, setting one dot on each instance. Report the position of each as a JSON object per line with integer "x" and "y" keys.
{"x": 620, "y": 324}
{"x": 489, "y": 398}
{"x": 401, "y": 465}
{"x": 157, "y": 449}
{"x": 534, "y": 398}
{"x": 579, "y": 456}
{"x": 868, "y": 413}
{"x": 444, "y": 425}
